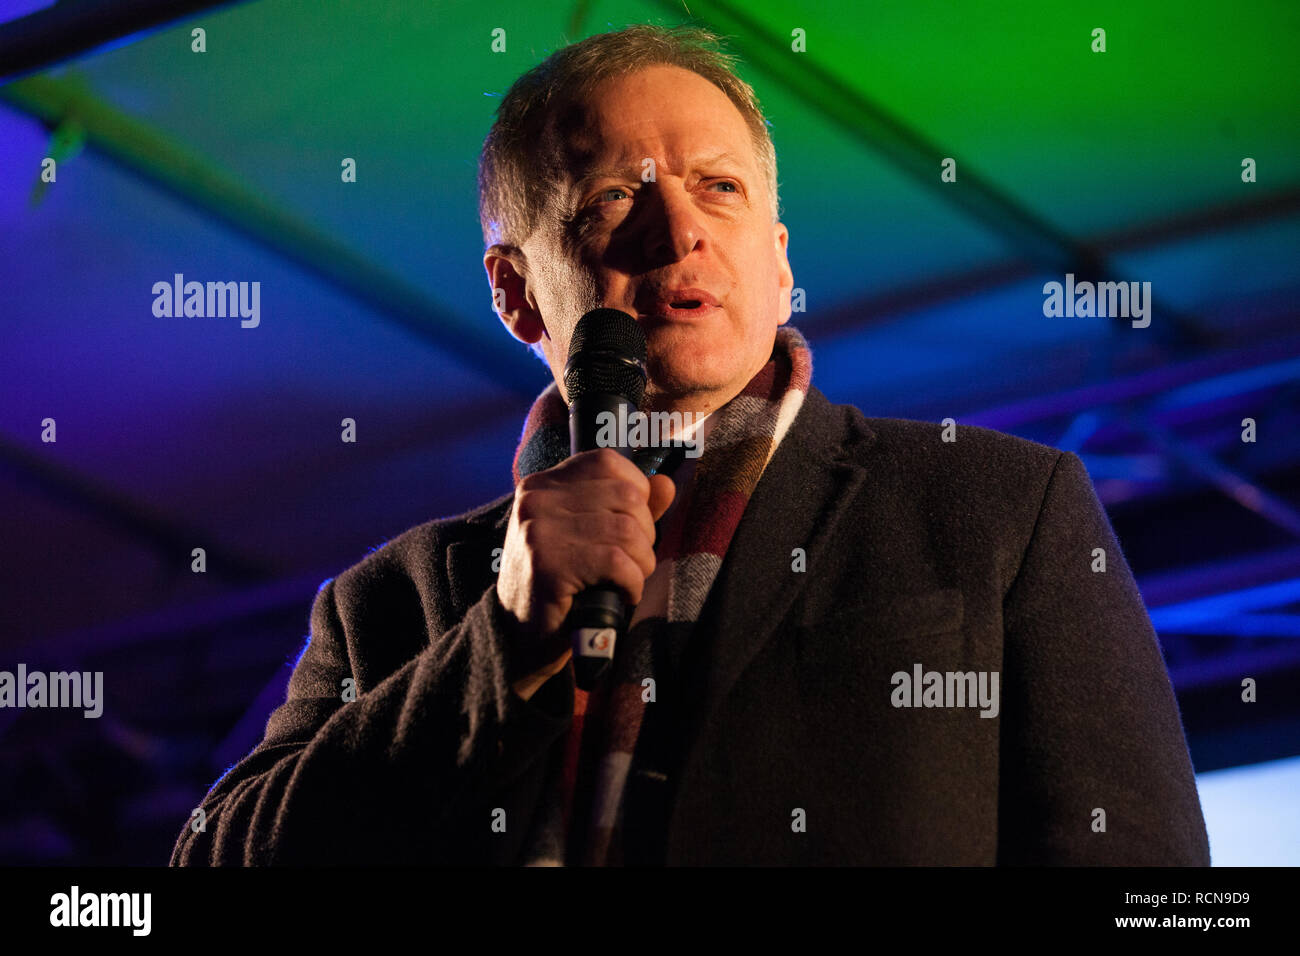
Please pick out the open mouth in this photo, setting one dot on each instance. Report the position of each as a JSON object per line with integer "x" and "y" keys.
{"x": 681, "y": 304}
{"x": 685, "y": 308}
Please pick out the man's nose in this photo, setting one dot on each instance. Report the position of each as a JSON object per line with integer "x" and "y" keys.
{"x": 674, "y": 227}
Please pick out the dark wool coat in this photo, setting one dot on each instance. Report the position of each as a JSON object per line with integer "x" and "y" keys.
{"x": 870, "y": 546}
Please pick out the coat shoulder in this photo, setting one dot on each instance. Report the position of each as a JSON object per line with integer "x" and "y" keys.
{"x": 916, "y": 448}
{"x": 970, "y": 446}
{"x": 968, "y": 467}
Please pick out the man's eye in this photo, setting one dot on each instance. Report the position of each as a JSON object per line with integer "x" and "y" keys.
{"x": 600, "y": 197}
{"x": 726, "y": 182}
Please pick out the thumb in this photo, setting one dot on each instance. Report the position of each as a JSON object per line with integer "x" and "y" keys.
{"x": 662, "y": 492}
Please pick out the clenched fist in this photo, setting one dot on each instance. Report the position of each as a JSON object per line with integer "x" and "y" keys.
{"x": 588, "y": 520}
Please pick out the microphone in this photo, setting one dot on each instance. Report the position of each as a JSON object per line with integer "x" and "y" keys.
{"x": 605, "y": 372}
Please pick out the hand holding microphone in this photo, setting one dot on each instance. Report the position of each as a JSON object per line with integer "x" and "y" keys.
{"x": 580, "y": 542}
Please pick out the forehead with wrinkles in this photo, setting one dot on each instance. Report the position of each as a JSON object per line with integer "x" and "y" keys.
{"x": 613, "y": 127}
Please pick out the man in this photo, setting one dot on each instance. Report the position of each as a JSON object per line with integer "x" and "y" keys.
{"x": 853, "y": 641}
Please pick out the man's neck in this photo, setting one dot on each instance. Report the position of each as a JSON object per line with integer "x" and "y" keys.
{"x": 699, "y": 404}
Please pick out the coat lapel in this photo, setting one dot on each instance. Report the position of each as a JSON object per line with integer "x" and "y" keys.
{"x": 797, "y": 504}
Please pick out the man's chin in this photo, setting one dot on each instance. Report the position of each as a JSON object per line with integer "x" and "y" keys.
{"x": 660, "y": 390}
{"x": 670, "y": 388}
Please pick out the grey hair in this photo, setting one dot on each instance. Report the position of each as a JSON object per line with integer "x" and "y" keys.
{"x": 517, "y": 175}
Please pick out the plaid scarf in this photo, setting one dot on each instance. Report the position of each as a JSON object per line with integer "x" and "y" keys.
{"x": 580, "y": 820}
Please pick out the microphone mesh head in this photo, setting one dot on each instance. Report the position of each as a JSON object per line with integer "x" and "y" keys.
{"x": 607, "y": 356}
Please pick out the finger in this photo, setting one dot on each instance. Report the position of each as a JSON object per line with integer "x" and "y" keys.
{"x": 611, "y": 563}
{"x": 606, "y": 496}
{"x": 605, "y": 463}
{"x": 634, "y": 535}
{"x": 662, "y": 492}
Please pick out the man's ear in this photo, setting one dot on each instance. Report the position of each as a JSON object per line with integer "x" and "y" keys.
{"x": 510, "y": 295}
{"x": 785, "y": 276}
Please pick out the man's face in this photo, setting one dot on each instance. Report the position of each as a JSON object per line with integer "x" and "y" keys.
{"x": 701, "y": 230}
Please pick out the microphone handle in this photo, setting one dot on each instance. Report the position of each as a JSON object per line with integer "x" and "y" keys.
{"x": 597, "y": 617}
{"x": 596, "y": 620}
